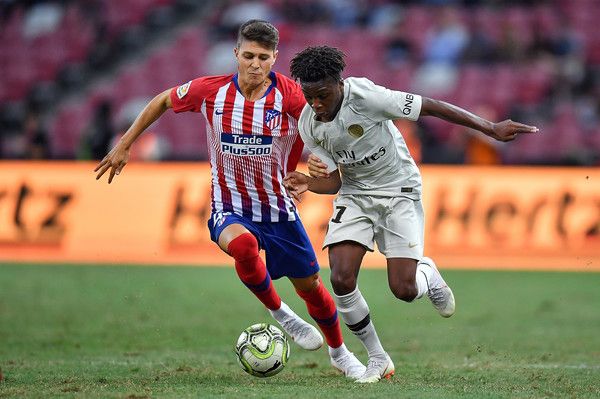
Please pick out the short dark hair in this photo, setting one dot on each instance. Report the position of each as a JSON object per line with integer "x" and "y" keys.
{"x": 314, "y": 64}
{"x": 259, "y": 31}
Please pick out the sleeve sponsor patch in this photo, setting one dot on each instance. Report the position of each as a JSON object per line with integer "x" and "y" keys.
{"x": 183, "y": 89}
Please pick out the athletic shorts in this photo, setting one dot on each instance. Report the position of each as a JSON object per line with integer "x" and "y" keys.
{"x": 396, "y": 224}
{"x": 288, "y": 251}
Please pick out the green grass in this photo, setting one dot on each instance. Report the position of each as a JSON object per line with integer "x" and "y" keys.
{"x": 168, "y": 332}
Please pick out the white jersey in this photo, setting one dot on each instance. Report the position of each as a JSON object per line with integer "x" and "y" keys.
{"x": 363, "y": 142}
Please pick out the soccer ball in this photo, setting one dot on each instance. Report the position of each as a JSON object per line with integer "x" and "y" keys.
{"x": 262, "y": 350}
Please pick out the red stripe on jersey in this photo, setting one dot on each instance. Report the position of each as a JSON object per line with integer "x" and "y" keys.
{"x": 245, "y": 164}
{"x": 210, "y": 108}
{"x": 283, "y": 214}
{"x": 226, "y": 123}
{"x": 275, "y": 172}
{"x": 265, "y": 208}
{"x": 239, "y": 163}
{"x": 248, "y": 116}
{"x": 285, "y": 126}
{"x": 247, "y": 128}
{"x": 260, "y": 188}
{"x": 228, "y": 108}
{"x": 295, "y": 154}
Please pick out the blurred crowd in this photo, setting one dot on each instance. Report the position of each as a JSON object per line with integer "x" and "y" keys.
{"x": 537, "y": 62}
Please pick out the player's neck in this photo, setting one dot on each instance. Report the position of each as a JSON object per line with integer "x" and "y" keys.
{"x": 254, "y": 92}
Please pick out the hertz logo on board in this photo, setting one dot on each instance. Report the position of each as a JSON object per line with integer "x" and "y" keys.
{"x": 33, "y": 214}
{"x": 476, "y": 217}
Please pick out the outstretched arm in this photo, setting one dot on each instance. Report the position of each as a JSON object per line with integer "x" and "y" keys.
{"x": 117, "y": 158}
{"x": 506, "y": 130}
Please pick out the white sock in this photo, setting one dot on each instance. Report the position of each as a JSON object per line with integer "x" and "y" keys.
{"x": 339, "y": 351}
{"x": 283, "y": 313}
{"x": 355, "y": 313}
{"x": 422, "y": 277}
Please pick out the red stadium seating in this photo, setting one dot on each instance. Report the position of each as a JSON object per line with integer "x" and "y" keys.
{"x": 524, "y": 81}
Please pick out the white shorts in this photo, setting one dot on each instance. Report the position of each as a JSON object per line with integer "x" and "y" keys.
{"x": 396, "y": 224}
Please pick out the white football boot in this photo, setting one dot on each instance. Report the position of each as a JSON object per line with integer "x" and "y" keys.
{"x": 378, "y": 367}
{"x": 439, "y": 293}
{"x": 348, "y": 364}
{"x": 304, "y": 334}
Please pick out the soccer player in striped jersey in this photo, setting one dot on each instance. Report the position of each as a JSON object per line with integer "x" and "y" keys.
{"x": 253, "y": 141}
{"x": 357, "y": 150}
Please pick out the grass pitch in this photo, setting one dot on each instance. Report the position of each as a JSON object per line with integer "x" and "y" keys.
{"x": 169, "y": 332}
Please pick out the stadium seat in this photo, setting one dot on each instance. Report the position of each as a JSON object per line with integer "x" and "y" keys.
{"x": 526, "y": 81}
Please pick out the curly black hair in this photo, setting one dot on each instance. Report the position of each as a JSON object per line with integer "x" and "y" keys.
{"x": 314, "y": 64}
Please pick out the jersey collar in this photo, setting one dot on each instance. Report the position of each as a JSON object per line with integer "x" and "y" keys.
{"x": 271, "y": 76}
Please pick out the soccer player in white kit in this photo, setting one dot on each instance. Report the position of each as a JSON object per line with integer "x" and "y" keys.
{"x": 357, "y": 150}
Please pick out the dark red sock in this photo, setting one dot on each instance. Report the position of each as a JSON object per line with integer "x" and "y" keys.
{"x": 322, "y": 309}
{"x": 252, "y": 270}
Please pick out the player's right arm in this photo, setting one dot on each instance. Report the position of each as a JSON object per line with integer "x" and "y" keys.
{"x": 118, "y": 157}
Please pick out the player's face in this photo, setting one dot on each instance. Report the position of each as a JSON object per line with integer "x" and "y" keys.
{"x": 254, "y": 62}
{"x": 324, "y": 97}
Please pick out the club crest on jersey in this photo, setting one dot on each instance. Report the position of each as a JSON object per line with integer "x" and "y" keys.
{"x": 272, "y": 118}
{"x": 355, "y": 131}
{"x": 183, "y": 90}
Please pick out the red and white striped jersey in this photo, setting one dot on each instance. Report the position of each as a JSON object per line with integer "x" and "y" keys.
{"x": 252, "y": 144}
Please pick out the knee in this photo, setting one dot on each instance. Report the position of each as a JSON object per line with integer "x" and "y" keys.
{"x": 343, "y": 282}
{"x": 243, "y": 247}
{"x": 404, "y": 290}
{"x": 307, "y": 284}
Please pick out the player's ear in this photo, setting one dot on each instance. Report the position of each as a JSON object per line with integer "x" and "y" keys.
{"x": 275, "y": 53}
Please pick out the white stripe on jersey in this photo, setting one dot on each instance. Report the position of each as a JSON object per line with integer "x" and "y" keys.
{"x": 236, "y": 127}
{"x": 237, "y": 117}
{"x": 250, "y": 179}
{"x": 277, "y": 105}
{"x": 258, "y": 115}
{"x": 214, "y": 144}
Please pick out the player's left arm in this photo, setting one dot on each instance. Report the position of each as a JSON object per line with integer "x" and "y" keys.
{"x": 506, "y": 130}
